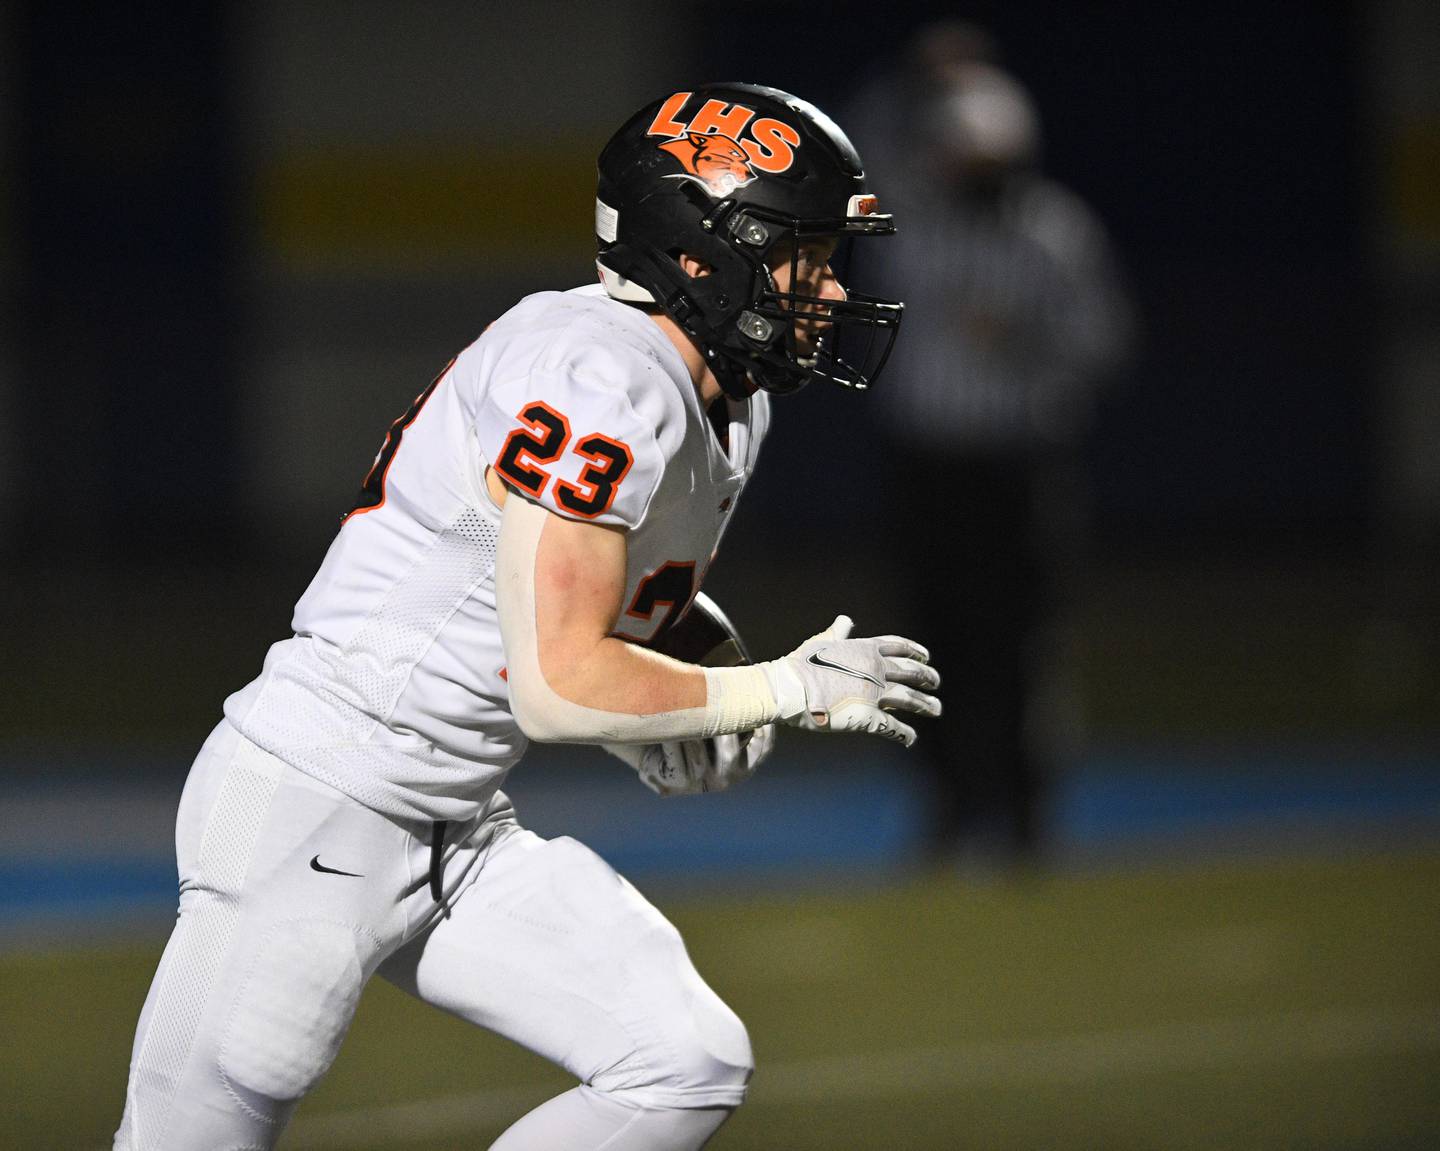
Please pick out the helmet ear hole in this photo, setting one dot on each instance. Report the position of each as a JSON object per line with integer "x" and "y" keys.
{"x": 693, "y": 266}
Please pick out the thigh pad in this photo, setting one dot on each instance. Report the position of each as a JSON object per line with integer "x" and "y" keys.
{"x": 295, "y": 1006}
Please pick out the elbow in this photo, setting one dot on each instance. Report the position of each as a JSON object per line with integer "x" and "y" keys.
{"x": 528, "y": 707}
{"x": 541, "y": 714}
{"x": 530, "y": 724}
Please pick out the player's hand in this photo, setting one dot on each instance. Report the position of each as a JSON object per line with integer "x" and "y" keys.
{"x": 693, "y": 766}
{"x": 834, "y": 683}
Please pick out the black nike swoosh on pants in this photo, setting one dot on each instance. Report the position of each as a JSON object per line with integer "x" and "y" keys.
{"x": 316, "y": 865}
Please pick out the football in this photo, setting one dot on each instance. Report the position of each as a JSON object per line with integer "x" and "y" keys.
{"x": 703, "y": 635}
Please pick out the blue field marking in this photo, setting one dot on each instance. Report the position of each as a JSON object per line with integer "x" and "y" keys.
{"x": 849, "y": 816}
{"x": 1125, "y": 796}
{"x": 809, "y": 813}
{"x": 37, "y": 884}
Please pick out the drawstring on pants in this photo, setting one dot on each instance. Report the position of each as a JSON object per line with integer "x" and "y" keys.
{"x": 437, "y": 857}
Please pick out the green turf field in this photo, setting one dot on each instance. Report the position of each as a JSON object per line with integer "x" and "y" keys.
{"x": 1291, "y": 1004}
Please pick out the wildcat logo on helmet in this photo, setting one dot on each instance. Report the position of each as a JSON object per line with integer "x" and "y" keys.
{"x": 719, "y": 146}
{"x": 716, "y": 161}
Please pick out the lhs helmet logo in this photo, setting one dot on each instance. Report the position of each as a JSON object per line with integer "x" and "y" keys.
{"x": 719, "y": 147}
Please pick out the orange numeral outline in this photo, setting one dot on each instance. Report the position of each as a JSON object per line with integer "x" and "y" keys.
{"x": 609, "y": 459}
{"x": 522, "y": 442}
{"x": 672, "y": 585}
{"x": 595, "y": 476}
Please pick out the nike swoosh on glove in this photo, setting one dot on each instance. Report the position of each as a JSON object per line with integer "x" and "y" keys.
{"x": 692, "y": 766}
{"x": 834, "y": 683}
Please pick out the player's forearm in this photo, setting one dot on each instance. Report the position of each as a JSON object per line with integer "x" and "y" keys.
{"x": 619, "y": 693}
{"x": 569, "y": 686}
{"x": 613, "y": 675}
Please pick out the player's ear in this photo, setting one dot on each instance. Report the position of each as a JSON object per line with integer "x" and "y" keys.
{"x": 692, "y": 266}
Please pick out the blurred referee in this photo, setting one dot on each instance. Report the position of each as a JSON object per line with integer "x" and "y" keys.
{"x": 1015, "y": 315}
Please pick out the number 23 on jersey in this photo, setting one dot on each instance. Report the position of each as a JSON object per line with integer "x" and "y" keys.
{"x": 528, "y": 450}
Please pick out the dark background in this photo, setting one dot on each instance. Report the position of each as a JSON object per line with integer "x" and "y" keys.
{"x": 1223, "y": 144}
{"x": 237, "y": 239}
{"x": 1259, "y": 531}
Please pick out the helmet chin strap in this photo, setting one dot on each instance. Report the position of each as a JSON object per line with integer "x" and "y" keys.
{"x": 741, "y": 381}
{"x": 686, "y": 299}
{"x": 734, "y": 381}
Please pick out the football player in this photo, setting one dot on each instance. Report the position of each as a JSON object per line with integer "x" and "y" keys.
{"x": 529, "y": 534}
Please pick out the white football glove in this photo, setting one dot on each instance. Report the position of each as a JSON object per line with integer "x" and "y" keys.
{"x": 834, "y": 683}
{"x": 696, "y": 765}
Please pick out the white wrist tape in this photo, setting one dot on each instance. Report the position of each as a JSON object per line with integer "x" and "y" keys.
{"x": 737, "y": 698}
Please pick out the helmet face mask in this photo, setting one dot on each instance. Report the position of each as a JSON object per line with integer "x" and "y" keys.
{"x": 674, "y": 183}
{"x": 844, "y": 337}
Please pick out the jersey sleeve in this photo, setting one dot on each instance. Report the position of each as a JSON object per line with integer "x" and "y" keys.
{"x": 575, "y": 445}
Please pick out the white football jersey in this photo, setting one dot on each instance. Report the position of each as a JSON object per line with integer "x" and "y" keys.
{"x": 392, "y": 688}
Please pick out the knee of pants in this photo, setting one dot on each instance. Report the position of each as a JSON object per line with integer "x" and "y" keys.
{"x": 693, "y": 1051}
{"x": 716, "y": 1062}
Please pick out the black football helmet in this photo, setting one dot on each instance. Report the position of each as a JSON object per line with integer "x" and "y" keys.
{"x": 733, "y": 174}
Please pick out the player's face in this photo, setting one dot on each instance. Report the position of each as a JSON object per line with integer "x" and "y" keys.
{"x": 805, "y": 271}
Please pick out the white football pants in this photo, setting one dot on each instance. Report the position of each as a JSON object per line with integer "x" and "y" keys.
{"x": 292, "y": 895}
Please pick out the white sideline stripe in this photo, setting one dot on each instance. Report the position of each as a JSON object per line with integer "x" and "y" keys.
{"x": 1064, "y": 1060}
